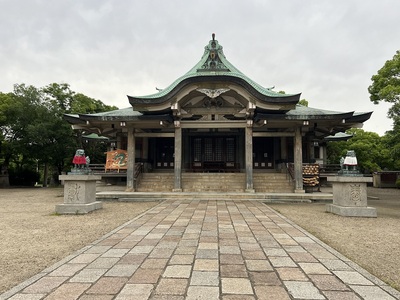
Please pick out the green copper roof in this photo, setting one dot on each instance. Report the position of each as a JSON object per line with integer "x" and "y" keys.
{"x": 95, "y": 136}
{"x": 302, "y": 110}
{"x": 340, "y": 136}
{"x": 125, "y": 112}
{"x": 214, "y": 64}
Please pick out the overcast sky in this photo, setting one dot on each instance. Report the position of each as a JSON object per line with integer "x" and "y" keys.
{"x": 326, "y": 49}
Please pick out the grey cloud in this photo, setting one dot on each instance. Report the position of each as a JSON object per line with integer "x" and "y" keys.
{"x": 107, "y": 49}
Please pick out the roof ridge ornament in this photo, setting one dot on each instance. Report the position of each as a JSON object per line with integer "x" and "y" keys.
{"x": 213, "y": 52}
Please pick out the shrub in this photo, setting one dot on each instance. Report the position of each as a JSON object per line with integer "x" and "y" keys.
{"x": 23, "y": 177}
{"x": 398, "y": 183}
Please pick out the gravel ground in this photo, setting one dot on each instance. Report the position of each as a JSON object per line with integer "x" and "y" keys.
{"x": 373, "y": 243}
{"x": 32, "y": 237}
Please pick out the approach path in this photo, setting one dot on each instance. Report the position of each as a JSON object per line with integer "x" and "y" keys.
{"x": 205, "y": 249}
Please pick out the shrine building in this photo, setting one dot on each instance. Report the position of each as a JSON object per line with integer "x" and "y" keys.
{"x": 215, "y": 119}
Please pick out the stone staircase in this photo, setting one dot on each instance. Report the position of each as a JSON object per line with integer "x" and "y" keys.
{"x": 156, "y": 182}
{"x": 215, "y": 182}
{"x": 272, "y": 183}
{"x": 269, "y": 187}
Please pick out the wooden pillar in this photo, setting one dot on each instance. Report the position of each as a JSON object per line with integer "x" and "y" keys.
{"x": 322, "y": 153}
{"x": 284, "y": 155}
{"x": 312, "y": 151}
{"x": 178, "y": 158}
{"x": 118, "y": 144}
{"x": 298, "y": 161}
{"x": 249, "y": 158}
{"x": 145, "y": 154}
{"x": 145, "y": 148}
{"x": 130, "y": 187}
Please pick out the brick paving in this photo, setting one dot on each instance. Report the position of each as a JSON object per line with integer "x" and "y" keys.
{"x": 203, "y": 249}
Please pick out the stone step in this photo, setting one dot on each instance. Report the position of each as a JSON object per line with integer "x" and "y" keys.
{"x": 215, "y": 182}
{"x": 156, "y": 182}
{"x": 265, "y": 197}
{"x": 272, "y": 183}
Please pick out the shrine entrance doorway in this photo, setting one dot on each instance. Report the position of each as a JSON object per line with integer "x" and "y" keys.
{"x": 214, "y": 154}
{"x": 164, "y": 154}
{"x": 263, "y": 153}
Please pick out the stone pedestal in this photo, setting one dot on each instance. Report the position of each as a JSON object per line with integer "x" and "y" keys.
{"x": 350, "y": 197}
{"x": 79, "y": 194}
{"x": 4, "y": 181}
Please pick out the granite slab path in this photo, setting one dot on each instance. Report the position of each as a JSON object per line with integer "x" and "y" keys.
{"x": 205, "y": 249}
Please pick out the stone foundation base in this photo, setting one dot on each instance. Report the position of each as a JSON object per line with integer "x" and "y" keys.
{"x": 77, "y": 209}
{"x": 352, "y": 211}
{"x": 299, "y": 191}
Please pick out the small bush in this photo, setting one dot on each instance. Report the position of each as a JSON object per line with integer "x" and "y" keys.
{"x": 23, "y": 177}
{"x": 398, "y": 183}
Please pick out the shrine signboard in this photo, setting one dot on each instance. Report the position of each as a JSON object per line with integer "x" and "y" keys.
{"x": 116, "y": 160}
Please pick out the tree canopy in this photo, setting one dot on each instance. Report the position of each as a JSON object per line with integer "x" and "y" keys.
{"x": 32, "y": 130}
{"x": 373, "y": 152}
{"x": 303, "y": 102}
{"x": 386, "y": 86}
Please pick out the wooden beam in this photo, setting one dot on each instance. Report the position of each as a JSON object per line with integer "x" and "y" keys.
{"x": 154, "y": 134}
{"x": 273, "y": 134}
{"x": 213, "y": 124}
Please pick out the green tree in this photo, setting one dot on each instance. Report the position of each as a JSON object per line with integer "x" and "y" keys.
{"x": 303, "y": 102}
{"x": 60, "y": 96}
{"x": 64, "y": 100}
{"x": 386, "y": 86}
{"x": 391, "y": 141}
{"x": 18, "y": 111}
{"x": 33, "y": 133}
{"x": 86, "y": 105}
{"x": 6, "y": 118}
{"x": 371, "y": 151}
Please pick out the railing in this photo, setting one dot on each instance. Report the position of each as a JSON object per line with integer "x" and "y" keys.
{"x": 289, "y": 171}
{"x": 329, "y": 168}
{"x": 323, "y": 168}
{"x": 314, "y": 179}
{"x": 97, "y": 168}
{"x": 137, "y": 174}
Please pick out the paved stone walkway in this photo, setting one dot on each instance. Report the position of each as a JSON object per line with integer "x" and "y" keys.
{"x": 205, "y": 250}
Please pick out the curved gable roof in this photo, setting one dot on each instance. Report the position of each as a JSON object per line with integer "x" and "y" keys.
{"x": 212, "y": 66}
